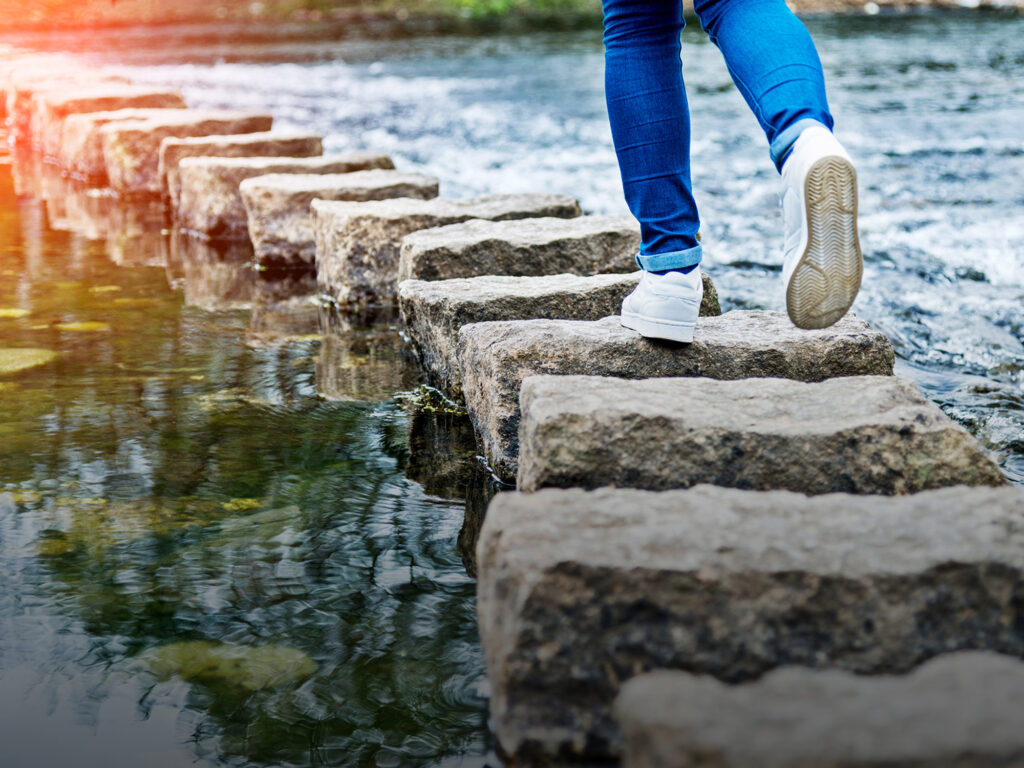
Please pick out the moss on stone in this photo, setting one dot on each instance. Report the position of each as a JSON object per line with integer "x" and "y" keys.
{"x": 13, "y": 360}
{"x": 247, "y": 667}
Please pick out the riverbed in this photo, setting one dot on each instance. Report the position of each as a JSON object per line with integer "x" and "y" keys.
{"x": 228, "y": 542}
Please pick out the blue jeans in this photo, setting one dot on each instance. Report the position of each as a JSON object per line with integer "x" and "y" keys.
{"x": 774, "y": 64}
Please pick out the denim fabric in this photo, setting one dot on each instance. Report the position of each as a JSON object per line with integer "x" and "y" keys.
{"x": 773, "y": 62}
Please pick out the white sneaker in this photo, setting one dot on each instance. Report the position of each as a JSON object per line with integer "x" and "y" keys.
{"x": 822, "y": 265}
{"x": 665, "y": 306}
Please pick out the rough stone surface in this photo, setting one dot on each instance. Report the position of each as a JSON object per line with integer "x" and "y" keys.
{"x": 53, "y": 107}
{"x": 357, "y": 244}
{"x": 23, "y": 89}
{"x": 968, "y": 703}
{"x": 132, "y": 151}
{"x": 580, "y": 591}
{"x": 173, "y": 150}
{"x": 81, "y": 143}
{"x": 280, "y": 219}
{"x": 586, "y": 245}
{"x": 210, "y": 202}
{"x": 494, "y": 358}
{"x": 862, "y": 434}
{"x": 434, "y": 311}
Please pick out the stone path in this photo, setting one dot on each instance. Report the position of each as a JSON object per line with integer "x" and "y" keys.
{"x": 891, "y": 543}
{"x": 580, "y": 591}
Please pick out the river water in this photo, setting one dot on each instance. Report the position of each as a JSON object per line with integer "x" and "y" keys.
{"x": 226, "y": 542}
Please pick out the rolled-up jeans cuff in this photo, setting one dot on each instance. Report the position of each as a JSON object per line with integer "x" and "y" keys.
{"x": 782, "y": 143}
{"x": 662, "y": 262}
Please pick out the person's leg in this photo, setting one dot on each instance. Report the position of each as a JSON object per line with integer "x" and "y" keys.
{"x": 650, "y": 124}
{"x": 773, "y": 62}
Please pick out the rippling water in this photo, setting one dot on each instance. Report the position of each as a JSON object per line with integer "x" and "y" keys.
{"x": 223, "y": 540}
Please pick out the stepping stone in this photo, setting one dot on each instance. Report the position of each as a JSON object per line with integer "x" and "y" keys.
{"x": 210, "y": 203}
{"x": 969, "y": 703}
{"x": 587, "y": 245}
{"x": 80, "y": 153}
{"x": 132, "y": 150}
{"x": 280, "y": 219}
{"x": 580, "y": 591}
{"x": 53, "y": 107}
{"x": 357, "y": 244}
{"x": 23, "y": 90}
{"x": 433, "y": 312}
{"x": 859, "y": 434}
{"x": 174, "y": 150}
{"x": 494, "y": 358}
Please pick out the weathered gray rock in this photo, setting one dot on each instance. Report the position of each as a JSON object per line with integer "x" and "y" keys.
{"x": 81, "y": 144}
{"x": 494, "y": 358}
{"x": 210, "y": 202}
{"x": 357, "y": 244}
{"x": 132, "y": 150}
{"x": 580, "y": 591}
{"x": 54, "y": 106}
{"x": 280, "y": 219}
{"x": 173, "y": 150}
{"x": 968, "y": 703}
{"x": 23, "y": 89}
{"x": 434, "y": 311}
{"x": 586, "y": 245}
{"x": 861, "y": 434}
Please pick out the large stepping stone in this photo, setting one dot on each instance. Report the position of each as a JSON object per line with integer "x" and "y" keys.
{"x": 434, "y": 311}
{"x": 210, "y": 202}
{"x": 860, "y": 434}
{"x": 357, "y": 244}
{"x": 53, "y": 107}
{"x": 586, "y": 245}
{"x": 494, "y": 358}
{"x": 174, "y": 150}
{"x": 132, "y": 150}
{"x": 969, "y": 703}
{"x": 80, "y": 153}
{"x": 278, "y": 207}
{"x": 24, "y": 88}
{"x": 580, "y": 591}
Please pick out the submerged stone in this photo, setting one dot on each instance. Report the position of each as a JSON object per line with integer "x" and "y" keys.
{"x": 83, "y": 326}
{"x": 131, "y": 151}
{"x": 278, "y": 207}
{"x": 210, "y": 202}
{"x": 969, "y": 703}
{"x": 495, "y": 357}
{"x": 434, "y": 311}
{"x": 586, "y": 245}
{"x": 580, "y": 591}
{"x": 14, "y": 360}
{"x": 250, "y": 667}
{"x": 357, "y": 244}
{"x": 173, "y": 150}
{"x": 12, "y": 313}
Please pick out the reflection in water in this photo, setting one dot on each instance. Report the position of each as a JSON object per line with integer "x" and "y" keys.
{"x": 208, "y": 561}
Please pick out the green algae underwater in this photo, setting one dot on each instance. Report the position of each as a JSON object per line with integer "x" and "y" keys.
{"x": 206, "y": 561}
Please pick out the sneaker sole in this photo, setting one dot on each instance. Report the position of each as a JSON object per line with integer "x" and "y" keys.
{"x": 827, "y": 277}
{"x": 651, "y": 328}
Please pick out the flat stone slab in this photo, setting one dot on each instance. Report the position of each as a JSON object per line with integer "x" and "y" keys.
{"x": 357, "y": 244}
{"x": 580, "y": 591}
{"x": 53, "y": 107}
{"x": 173, "y": 150}
{"x": 586, "y": 245}
{"x": 969, "y": 703}
{"x": 494, "y": 358}
{"x": 23, "y": 89}
{"x": 80, "y": 153}
{"x": 859, "y": 434}
{"x": 132, "y": 151}
{"x": 210, "y": 202}
{"x": 278, "y": 207}
{"x": 434, "y": 311}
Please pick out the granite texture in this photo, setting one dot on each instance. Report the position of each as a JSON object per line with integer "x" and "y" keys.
{"x": 358, "y": 244}
{"x": 579, "y": 592}
{"x": 80, "y": 153}
{"x": 495, "y": 357}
